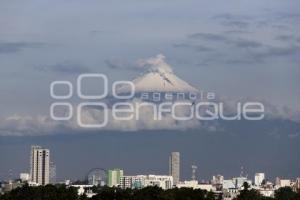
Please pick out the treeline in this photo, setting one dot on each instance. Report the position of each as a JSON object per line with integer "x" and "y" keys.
{"x": 61, "y": 192}
{"x": 284, "y": 193}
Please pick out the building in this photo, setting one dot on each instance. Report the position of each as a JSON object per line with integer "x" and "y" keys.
{"x": 297, "y": 184}
{"x": 239, "y": 181}
{"x": 231, "y": 187}
{"x": 84, "y": 189}
{"x": 282, "y": 183}
{"x": 174, "y": 167}
{"x": 267, "y": 192}
{"x": 141, "y": 181}
{"x": 162, "y": 181}
{"x": 52, "y": 173}
{"x": 217, "y": 182}
{"x": 11, "y": 185}
{"x": 259, "y": 178}
{"x": 114, "y": 176}
{"x": 24, "y": 177}
{"x": 136, "y": 182}
{"x": 39, "y": 165}
{"x": 195, "y": 185}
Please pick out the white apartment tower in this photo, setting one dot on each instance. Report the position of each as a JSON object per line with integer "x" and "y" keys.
{"x": 174, "y": 167}
{"x": 39, "y": 165}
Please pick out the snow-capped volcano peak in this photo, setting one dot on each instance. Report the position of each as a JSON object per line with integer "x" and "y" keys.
{"x": 159, "y": 77}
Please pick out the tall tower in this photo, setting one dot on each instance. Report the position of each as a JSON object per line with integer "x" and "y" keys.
{"x": 174, "y": 167}
{"x": 194, "y": 168}
{"x": 52, "y": 173}
{"x": 39, "y": 165}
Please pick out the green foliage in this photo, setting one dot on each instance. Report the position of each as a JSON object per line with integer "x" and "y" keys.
{"x": 286, "y": 193}
{"x": 48, "y": 192}
{"x": 60, "y": 192}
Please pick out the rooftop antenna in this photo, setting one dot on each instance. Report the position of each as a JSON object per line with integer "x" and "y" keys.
{"x": 10, "y": 174}
{"x": 194, "y": 168}
{"x": 242, "y": 171}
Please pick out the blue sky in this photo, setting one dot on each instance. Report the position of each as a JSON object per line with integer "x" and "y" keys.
{"x": 237, "y": 49}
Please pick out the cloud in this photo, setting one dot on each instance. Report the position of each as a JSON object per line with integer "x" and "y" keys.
{"x": 14, "y": 47}
{"x": 284, "y": 16}
{"x": 18, "y": 125}
{"x": 156, "y": 63}
{"x": 238, "y": 42}
{"x": 276, "y": 52}
{"x": 243, "y": 43}
{"x": 237, "y": 32}
{"x": 231, "y": 17}
{"x": 115, "y": 64}
{"x": 209, "y": 37}
{"x": 248, "y": 51}
{"x": 65, "y": 67}
{"x": 149, "y": 64}
{"x": 236, "y": 24}
{"x": 234, "y": 21}
{"x": 181, "y": 45}
{"x": 198, "y": 48}
{"x": 285, "y": 38}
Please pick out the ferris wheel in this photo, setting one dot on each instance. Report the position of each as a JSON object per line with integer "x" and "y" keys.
{"x": 97, "y": 177}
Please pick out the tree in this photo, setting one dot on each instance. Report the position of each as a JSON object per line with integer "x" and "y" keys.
{"x": 286, "y": 193}
{"x": 48, "y": 192}
{"x": 247, "y": 194}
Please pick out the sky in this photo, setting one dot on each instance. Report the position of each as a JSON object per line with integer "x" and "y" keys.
{"x": 237, "y": 49}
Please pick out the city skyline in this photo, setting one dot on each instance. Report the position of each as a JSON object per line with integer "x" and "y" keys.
{"x": 40, "y": 158}
{"x": 117, "y": 179}
{"x": 122, "y": 84}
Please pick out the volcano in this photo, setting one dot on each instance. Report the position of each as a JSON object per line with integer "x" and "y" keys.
{"x": 158, "y": 77}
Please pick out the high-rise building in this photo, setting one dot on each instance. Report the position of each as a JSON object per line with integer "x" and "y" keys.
{"x": 52, "y": 173}
{"x": 114, "y": 176}
{"x": 258, "y": 178}
{"x": 174, "y": 167}
{"x": 39, "y": 165}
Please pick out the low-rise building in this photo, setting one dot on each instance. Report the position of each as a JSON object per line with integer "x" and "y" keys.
{"x": 24, "y": 177}
{"x": 195, "y": 185}
{"x": 141, "y": 181}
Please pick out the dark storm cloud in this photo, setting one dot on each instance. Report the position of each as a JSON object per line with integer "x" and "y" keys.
{"x": 13, "y": 47}
{"x": 64, "y": 67}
